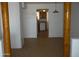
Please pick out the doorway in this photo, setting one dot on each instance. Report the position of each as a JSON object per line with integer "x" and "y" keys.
{"x": 42, "y": 22}
{"x": 67, "y": 6}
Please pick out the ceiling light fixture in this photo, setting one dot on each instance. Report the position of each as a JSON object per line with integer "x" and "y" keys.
{"x": 55, "y": 11}
{"x": 44, "y": 10}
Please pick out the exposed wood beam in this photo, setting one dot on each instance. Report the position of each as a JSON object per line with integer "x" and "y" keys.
{"x": 67, "y": 22}
{"x": 6, "y": 30}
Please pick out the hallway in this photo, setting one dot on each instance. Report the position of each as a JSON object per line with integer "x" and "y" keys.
{"x": 43, "y": 34}
{"x": 40, "y": 47}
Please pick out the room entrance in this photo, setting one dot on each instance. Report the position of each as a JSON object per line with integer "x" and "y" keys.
{"x": 5, "y": 16}
{"x": 42, "y": 22}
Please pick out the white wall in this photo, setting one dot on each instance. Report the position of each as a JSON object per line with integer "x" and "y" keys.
{"x": 75, "y": 20}
{"x": 14, "y": 20}
{"x": 55, "y": 20}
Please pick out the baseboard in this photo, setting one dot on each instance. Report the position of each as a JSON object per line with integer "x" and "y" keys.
{"x": 56, "y": 37}
{"x": 30, "y": 38}
{"x": 48, "y": 37}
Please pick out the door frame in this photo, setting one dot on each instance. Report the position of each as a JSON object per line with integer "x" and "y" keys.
{"x": 6, "y": 30}
{"x": 38, "y": 24}
{"x": 67, "y": 26}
